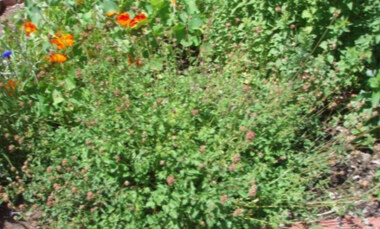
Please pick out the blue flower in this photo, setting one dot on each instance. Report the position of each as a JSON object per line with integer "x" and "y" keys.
{"x": 7, "y": 54}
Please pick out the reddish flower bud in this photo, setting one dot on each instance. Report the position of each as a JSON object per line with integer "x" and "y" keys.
{"x": 59, "y": 168}
{"x": 11, "y": 147}
{"x": 223, "y": 199}
{"x": 238, "y": 212}
{"x": 246, "y": 88}
{"x": 64, "y": 162}
{"x": 252, "y": 191}
{"x": 74, "y": 190}
{"x": 116, "y": 92}
{"x": 170, "y": 180}
{"x": 84, "y": 171}
{"x": 278, "y": 9}
{"x": 236, "y": 158}
{"x": 250, "y": 136}
{"x": 78, "y": 73}
{"x": 49, "y": 169}
{"x": 90, "y": 195}
{"x": 56, "y": 186}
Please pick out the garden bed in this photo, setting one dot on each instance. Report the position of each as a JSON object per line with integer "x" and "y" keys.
{"x": 217, "y": 115}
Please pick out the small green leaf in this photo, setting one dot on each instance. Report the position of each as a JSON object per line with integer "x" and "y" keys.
{"x": 179, "y": 32}
{"x": 57, "y": 97}
{"x": 69, "y": 84}
{"x": 195, "y": 23}
{"x": 157, "y": 3}
{"x": 375, "y": 100}
{"x": 191, "y": 6}
{"x": 35, "y": 15}
{"x": 109, "y": 5}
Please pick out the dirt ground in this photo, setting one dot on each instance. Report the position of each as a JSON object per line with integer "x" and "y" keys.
{"x": 8, "y": 219}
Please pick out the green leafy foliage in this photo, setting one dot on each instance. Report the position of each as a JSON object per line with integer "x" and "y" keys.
{"x": 216, "y": 114}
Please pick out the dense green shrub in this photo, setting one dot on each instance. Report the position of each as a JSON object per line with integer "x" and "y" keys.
{"x": 224, "y": 114}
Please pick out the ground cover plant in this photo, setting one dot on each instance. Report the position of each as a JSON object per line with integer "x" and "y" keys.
{"x": 189, "y": 114}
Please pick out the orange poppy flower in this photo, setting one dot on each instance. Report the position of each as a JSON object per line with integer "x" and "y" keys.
{"x": 111, "y": 13}
{"x": 63, "y": 40}
{"x": 56, "y": 58}
{"x": 10, "y": 86}
{"x": 138, "y": 18}
{"x": 29, "y": 28}
{"x": 133, "y": 23}
{"x": 124, "y": 19}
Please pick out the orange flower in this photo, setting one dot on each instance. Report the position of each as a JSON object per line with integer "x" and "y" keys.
{"x": 111, "y": 13}
{"x": 124, "y": 19}
{"x": 79, "y": 2}
{"x": 173, "y": 3}
{"x": 10, "y": 86}
{"x": 63, "y": 40}
{"x": 56, "y": 58}
{"x": 133, "y": 23}
{"x": 138, "y": 18}
{"x": 29, "y": 28}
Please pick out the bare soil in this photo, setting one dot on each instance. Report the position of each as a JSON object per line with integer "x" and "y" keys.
{"x": 10, "y": 219}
